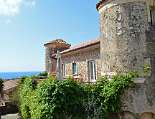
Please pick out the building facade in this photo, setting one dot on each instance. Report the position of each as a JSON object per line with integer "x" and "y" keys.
{"x": 82, "y": 62}
{"x": 126, "y": 43}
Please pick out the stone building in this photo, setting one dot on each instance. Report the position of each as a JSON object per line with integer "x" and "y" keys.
{"x": 82, "y": 62}
{"x": 126, "y": 43}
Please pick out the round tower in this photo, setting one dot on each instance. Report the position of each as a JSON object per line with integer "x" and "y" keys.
{"x": 50, "y": 53}
{"x": 123, "y": 24}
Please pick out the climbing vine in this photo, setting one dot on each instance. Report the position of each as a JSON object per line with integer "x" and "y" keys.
{"x": 68, "y": 99}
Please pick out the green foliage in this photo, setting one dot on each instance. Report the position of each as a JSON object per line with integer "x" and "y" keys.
{"x": 43, "y": 74}
{"x": 34, "y": 77}
{"x": 93, "y": 101}
{"x": 67, "y": 99}
{"x": 106, "y": 95}
{"x": 40, "y": 75}
{"x": 26, "y": 92}
{"x": 52, "y": 99}
{"x": 61, "y": 99}
{"x": 1, "y": 86}
{"x": 24, "y": 77}
{"x": 113, "y": 90}
{"x": 147, "y": 69}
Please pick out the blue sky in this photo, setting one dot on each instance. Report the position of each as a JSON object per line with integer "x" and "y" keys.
{"x": 25, "y": 25}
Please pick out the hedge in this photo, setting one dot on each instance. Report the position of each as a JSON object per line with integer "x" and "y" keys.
{"x": 68, "y": 99}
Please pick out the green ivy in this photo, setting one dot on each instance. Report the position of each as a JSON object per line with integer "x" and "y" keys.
{"x": 113, "y": 90}
{"x": 52, "y": 99}
{"x": 67, "y": 99}
{"x": 147, "y": 69}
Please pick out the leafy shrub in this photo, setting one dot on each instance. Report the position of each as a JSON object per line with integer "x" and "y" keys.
{"x": 26, "y": 92}
{"x": 39, "y": 76}
{"x": 52, "y": 99}
{"x": 113, "y": 90}
{"x": 24, "y": 77}
{"x": 1, "y": 86}
{"x": 104, "y": 97}
{"x": 43, "y": 74}
{"x": 67, "y": 99}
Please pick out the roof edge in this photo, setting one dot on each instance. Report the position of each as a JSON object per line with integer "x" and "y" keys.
{"x": 94, "y": 42}
{"x": 57, "y": 41}
{"x": 100, "y": 4}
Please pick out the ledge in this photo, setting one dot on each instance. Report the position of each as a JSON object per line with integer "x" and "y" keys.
{"x": 139, "y": 80}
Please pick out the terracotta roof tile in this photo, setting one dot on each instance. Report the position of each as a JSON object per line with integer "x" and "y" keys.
{"x": 59, "y": 41}
{"x": 10, "y": 84}
{"x": 82, "y": 45}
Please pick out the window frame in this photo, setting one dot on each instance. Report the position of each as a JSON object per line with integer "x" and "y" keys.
{"x": 64, "y": 69}
{"x": 151, "y": 12}
{"x": 76, "y": 69}
{"x": 152, "y": 16}
{"x": 94, "y": 70}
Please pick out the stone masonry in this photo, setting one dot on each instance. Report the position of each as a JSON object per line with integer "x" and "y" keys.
{"x": 81, "y": 57}
{"x": 127, "y": 44}
{"x": 123, "y": 33}
{"x": 79, "y": 54}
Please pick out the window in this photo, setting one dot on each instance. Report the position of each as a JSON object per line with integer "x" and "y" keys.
{"x": 91, "y": 70}
{"x": 151, "y": 11}
{"x": 152, "y": 15}
{"x": 74, "y": 68}
{"x": 63, "y": 70}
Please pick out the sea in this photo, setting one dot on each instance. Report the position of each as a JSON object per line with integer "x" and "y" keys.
{"x": 15, "y": 75}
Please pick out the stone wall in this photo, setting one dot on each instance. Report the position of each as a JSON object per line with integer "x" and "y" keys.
{"x": 139, "y": 101}
{"x": 50, "y": 62}
{"x": 127, "y": 43}
{"x": 123, "y": 27}
{"x": 81, "y": 57}
{"x": 47, "y": 59}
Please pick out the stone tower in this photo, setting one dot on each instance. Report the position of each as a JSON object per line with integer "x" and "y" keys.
{"x": 123, "y": 24}
{"x": 128, "y": 44}
{"x": 50, "y": 56}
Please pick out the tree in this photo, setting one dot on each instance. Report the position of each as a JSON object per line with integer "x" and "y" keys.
{"x": 1, "y": 86}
